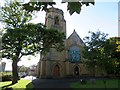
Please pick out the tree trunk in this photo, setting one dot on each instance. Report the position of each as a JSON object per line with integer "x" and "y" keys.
{"x": 14, "y": 72}
{"x": 39, "y": 66}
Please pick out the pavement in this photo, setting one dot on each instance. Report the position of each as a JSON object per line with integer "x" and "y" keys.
{"x": 50, "y": 83}
{"x": 53, "y": 83}
{"x": 29, "y": 78}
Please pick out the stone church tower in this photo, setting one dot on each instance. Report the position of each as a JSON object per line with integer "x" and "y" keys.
{"x": 55, "y": 19}
{"x": 68, "y": 62}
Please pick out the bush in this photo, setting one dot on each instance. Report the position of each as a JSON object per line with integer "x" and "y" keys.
{"x": 6, "y": 78}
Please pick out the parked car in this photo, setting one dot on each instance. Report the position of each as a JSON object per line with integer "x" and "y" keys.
{"x": 22, "y": 74}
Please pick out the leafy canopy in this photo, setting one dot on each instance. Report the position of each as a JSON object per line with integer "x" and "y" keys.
{"x": 72, "y": 6}
{"x": 99, "y": 51}
{"x": 23, "y": 38}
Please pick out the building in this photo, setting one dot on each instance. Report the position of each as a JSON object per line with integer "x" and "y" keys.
{"x": 2, "y": 66}
{"x": 67, "y": 63}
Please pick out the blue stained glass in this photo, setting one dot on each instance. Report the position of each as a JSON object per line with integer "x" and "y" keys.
{"x": 74, "y": 53}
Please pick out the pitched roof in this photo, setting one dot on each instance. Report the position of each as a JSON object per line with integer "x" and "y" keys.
{"x": 75, "y": 34}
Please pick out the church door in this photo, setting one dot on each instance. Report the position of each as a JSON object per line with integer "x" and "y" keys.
{"x": 56, "y": 71}
{"x": 76, "y": 71}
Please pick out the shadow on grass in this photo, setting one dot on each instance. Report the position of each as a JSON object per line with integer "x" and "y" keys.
{"x": 30, "y": 86}
{"x": 6, "y": 87}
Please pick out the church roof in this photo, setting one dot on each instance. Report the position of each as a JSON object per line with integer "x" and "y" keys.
{"x": 75, "y": 34}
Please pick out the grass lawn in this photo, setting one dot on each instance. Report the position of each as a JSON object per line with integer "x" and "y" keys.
{"x": 22, "y": 84}
{"x": 110, "y": 83}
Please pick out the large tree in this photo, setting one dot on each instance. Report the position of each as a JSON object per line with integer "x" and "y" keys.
{"x": 116, "y": 54}
{"x": 92, "y": 49}
{"x": 107, "y": 60}
{"x": 22, "y": 38}
{"x": 99, "y": 52}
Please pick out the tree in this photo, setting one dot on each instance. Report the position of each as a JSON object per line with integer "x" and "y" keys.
{"x": 92, "y": 49}
{"x": 116, "y": 54}
{"x": 11, "y": 39}
{"x": 99, "y": 52}
{"x": 22, "y": 38}
{"x": 72, "y": 6}
{"x": 102, "y": 52}
{"x": 107, "y": 60}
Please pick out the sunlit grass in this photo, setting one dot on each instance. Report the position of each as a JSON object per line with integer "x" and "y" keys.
{"x": 22, "y": 84}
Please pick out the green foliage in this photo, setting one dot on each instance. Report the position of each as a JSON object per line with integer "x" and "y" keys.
{"x": 110, "y": 84}
{"x": 93, "y": 45}
{"x": 37, "y": 6}
{"x": 117, "y": 52}
{"x": 6, "y": 76}
{"x": 17, "y": 41}
{"x": 32, "y": 38}
{"x": 14, "y": 16}
{"x": 24, "y": 38}
{"x": 53, "y": 39}
{"x": 99, "y": 52}
{"x": 76, "y": 7}
{"x": 22, "y": 84}
{"x": 72, "y": 7}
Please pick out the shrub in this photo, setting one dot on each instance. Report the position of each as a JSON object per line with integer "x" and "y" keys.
{"x": 6, "y": 78}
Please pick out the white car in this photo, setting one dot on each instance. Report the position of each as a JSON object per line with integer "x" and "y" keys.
{"x": 22, "y": 74}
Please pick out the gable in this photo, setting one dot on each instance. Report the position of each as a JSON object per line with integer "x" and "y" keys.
{"x": 74, "y": 39}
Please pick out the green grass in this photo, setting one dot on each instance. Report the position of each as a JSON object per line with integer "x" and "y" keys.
{"x": 22, "y": 84}
{"x": 110, "y": 83}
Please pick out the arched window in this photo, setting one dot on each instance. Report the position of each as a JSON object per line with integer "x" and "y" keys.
{"x": 56, "y": 20}
{"x": 74, "y": 54}
{"x": 49, "y": 16}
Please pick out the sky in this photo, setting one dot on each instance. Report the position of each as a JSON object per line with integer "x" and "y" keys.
{"x": 102, "y": 16}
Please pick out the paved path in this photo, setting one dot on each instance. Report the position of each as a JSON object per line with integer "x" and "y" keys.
{"x": 53, "y": 83}
{"x": 29, "y": 78}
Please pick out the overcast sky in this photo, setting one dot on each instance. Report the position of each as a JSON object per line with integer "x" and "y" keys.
{"x": 102, "y": 16}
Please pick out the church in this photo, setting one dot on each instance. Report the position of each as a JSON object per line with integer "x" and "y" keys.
{"x": 67, "y": 63}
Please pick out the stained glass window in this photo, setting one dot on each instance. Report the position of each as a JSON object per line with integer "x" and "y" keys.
{"x": 74, "y": 54}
